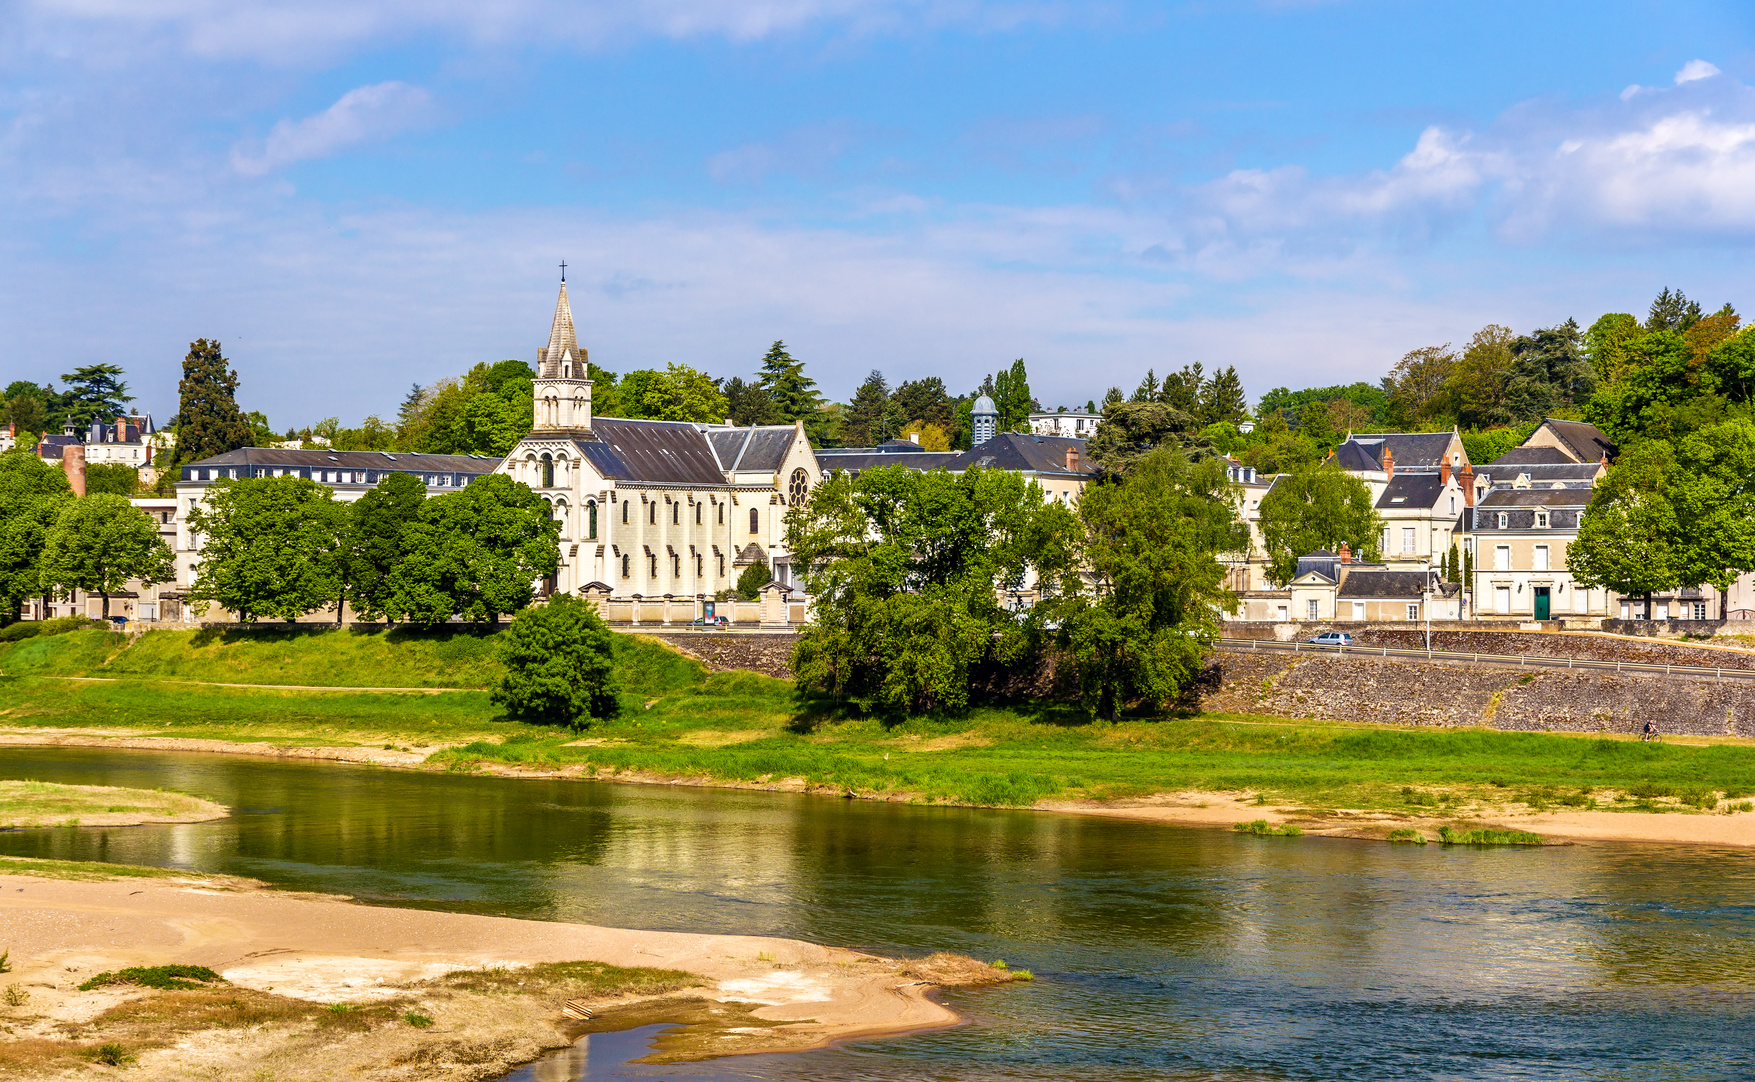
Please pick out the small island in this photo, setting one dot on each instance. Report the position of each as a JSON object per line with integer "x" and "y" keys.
{"x": 48, "y": 804}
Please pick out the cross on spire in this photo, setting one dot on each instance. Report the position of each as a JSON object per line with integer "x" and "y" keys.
{"x": 563, "y": 271}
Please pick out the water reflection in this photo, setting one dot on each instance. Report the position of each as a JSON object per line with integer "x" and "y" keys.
{"x": 1163, "y": 952}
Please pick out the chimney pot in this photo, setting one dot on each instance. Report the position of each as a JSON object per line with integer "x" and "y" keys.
{"x": 1467, "y": 479}
{"x": 1444, "y": 472}
{"x": 1072, "y": 460}
{"x": 1346, "y": 553}
{"x": 1388, "y": 463}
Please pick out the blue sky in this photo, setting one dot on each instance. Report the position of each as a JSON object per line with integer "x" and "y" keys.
{"x": 355, "y": 195}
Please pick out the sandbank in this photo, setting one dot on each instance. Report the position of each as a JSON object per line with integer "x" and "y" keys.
{"x": 41, "y": 804}
{"x": 770, "y": 994}
{"x": 1674, "y": 827}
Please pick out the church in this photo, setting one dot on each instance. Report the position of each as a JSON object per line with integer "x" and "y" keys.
{"x": 654, "y": 509}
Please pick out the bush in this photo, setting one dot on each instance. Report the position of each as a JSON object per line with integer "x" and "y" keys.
{"x": 754, "y": 577}
{"x": 558, "y": 660}
{"x": 1404, "y": 835}
{"x": 1488, "y": 837}
{"x": 61, "y": 625}
{"x": 1264, "y": 829}
{"x": 165, "y": 978}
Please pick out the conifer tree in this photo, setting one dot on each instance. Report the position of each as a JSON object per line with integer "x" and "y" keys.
{"x": 1222, "y": 399}
{"x": 209, "y": 421}
{"x": 1011, "y": 396}
{"x": 794, "y": 393}
{"x": 867, "y": 419}
{"x": 94, "y": 393}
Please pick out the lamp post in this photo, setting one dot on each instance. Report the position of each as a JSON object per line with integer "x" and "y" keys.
{"x": 1426, "y": 600}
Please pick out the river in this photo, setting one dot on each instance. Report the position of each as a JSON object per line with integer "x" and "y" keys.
{"x": 1161, "y": 952}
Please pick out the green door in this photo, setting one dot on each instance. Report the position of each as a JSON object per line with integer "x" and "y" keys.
{"x": 1541, "y": 602}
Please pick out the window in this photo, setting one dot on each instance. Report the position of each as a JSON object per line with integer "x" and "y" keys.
{"x": 653, "y": 556}
{"x": 1663, "y": 610}
{"x": 548, "y": 471}
{"x": 697, "y": 513}
{"x": 676, "y": 514}
{"x": 721, "y": 514}
{"x": 624, "y": 512}
{"x": 721, "y": 556}
{"x": 1502, "y": 558}
{"x": 1541, "y": 562}
{"x": 1453, "y": 505}
{"x": 1358, "y": 610}
{"x": 1541, "y": 520}
{"x": 755, "y": 521}
{"x": 1386, "y": 539}
{"x": 1504, "y": 520}
{"x": 797, "y": 487}
{"x": 626, "y": 564}
{"x": 1407, "y": 539}
{"x": 591, "y": 520}
{"x": 1700, "y": 610}
{"x": 1502, "y": 599}
{"x": 652, "y": 516}
{"x": 700, "y": 563}
{"x": 1312, "y": 609}
{"x": 1580, "y": 600}
{"x": 1413, "y": 612}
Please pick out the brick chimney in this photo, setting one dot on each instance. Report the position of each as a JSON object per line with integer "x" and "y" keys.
{"x": 1346, "y": 553}
{"x": 1467, "y": 480}
{"x": 1444, "y": 471}
{"x": 1388, "y": 463}
{"x": 73, "y": 464}
{"x": 1072, "y": 460}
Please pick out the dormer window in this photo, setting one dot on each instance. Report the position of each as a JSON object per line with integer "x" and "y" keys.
{"x": 1504, "y": 520}
{"x": 1541, "y": 520}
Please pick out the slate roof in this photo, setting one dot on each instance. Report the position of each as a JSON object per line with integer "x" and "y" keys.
{"x": 1024, "y": 451}
{"x": 1537, "y": 497}
{"x": 1411, "y": 490}
{"x": 1351, "y": 456}
{"x": 1532, "y": 456}
{"x": 867, "y": 459}
{"x": 1586, "y": 440}
{"x": 1520, "y": 504}
{"x": 652, "y": 452}
{"x": 1366, "y": 583}
{"x": 756, "y": 449}
{"x": 1408, "y": 448}
{"x": 1570, "y": 474}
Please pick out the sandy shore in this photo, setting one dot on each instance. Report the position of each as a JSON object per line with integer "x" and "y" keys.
{"x": 1186, "y": 808}
{"x": 766, "y": 994}
{"x": 40, "y": 804}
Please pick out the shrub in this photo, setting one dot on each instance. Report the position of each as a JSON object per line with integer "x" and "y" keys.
{"x": 1487, "y": 837}
{"x": 417, "y": 1020}
{"x": 112, "y": 1055}
{"x": 1404, "y": 835}
{"x": 166, "y": 978}
{"x": 16, "y": 996}
{"x": 754, "y": 577}
{"x": 559, "y": 660}
{"x": 1263, "y": 829}
{"x": 60, "y": 625}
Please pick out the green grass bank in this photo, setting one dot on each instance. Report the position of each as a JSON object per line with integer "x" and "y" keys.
{"x": 680, "y": 721}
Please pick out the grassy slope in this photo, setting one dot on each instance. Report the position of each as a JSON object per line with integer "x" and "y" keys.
{"x": 681, "y": 721}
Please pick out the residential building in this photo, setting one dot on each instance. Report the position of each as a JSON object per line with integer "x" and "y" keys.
{"x": 1057, "y": 463}
{"x": 1075, "y": 424}
{"x": 654, "y": 508}
{"x": 1519, "y": 539}
{"x": 1332, "y": 586}
{"x": 1577, "y": 440}
{"x": 1539, "y": 467}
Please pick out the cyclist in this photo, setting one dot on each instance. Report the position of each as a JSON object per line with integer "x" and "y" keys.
{"x": 1649, "y": 732}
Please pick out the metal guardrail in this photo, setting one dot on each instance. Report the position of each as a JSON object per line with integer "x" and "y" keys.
{"x": 1519, "y": 660}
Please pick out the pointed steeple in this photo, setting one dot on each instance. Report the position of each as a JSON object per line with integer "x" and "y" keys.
{"x": 563, "y": 343}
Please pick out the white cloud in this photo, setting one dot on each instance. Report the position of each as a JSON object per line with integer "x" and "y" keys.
{"x": 362, "y": 115}
{"x": 1695, "y": 70}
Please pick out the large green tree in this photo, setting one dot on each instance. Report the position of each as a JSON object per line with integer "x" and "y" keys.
{"x": 1012, "y": 398}
{"x": 375, "y": 544}
{"x": 1317, "y": 506}
{"x": 794, "y": 394}
{"x": 681, "y": 393}
{"x": 927, "y": 401}
{"x": 870, "y": 417}
{"x": 750, "y": 403}
{"x": 475, "y": 553}
{"x": 1627, "y": 538}
{"x": 906, "y": 570}
{"x": 1222, "y": 400}
{"x": 32, "y": 495}
{"x": 117, "y": 478}
{"x": 95, "y": 392}
{"x": 209, "y": 422}
{"x": 1140, "y": 626}
{"x": 1130, "y": 430}
{"x": 101, "y": 542}
{"x": 559, "y": 660}
{"x": 269, "y": 548}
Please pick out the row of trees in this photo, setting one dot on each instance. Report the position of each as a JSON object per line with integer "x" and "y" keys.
{"x": 283, "y": 547}
{"x": 907, "y": 570}
{"x": 52, "y": 542}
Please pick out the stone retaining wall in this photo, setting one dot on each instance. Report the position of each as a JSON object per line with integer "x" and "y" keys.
{"x": 1473, "y": 640}
{"x": 1402, "y": 691}
{"x": 723, "y": 651}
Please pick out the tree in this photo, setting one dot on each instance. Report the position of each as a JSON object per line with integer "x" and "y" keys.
{"x": 209, "y": 421}
{"x": 1130, "y": 430}
{"x": 1420, "y": 384}
{"x": 867, "y": 419}
{"x": 269, "y": 548}
{"x": 100, "y": 542}
{"x": 681, "y": 393}
{"x": 1011, "y": 397}
{"x": 753, "y": 578}
{"x": 117, "y": 478}
{"x": 1712, "y": 491}
{"x": 32, "y": 495}
{"x": 1604, "y": 344}
{"x": 782, "y": 376}
{"x": 1626, "y": 539}
{"x": 930, "y": 436}
{"x": 376, "y": 545}
{"x": 475, "y": 553}
{"x": 1151, "y": 541}
{"x": 25, "y": 406}
{"x": 559, "y": 660}
{"x": 1671, "y": 310}
{"x": 1222, "y": 400}
{"x": 926, "y": 400}
{"x": 1480, "y": 375}
{"x": 1317, "y": 507}
{"x": 1112, "y": 397}
{"x": 906, "y": 570}
{"x": 94, "y": 392}
{"x": 750, "y": 403}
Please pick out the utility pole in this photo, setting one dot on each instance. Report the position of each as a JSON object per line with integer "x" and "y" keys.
{"x": 1426, "y": 600}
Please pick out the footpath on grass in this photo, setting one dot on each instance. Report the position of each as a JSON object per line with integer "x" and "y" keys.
{"x": 681, "y": 724}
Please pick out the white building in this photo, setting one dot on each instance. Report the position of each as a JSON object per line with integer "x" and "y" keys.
{"x": 1073, "y": 424}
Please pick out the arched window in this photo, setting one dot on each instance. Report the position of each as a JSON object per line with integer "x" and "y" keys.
{"x": 548, "y": 471}
{"x": 652, "y": 516}
{"x": 676, "y": 514}
{"x": 591, "y": 520}
{"x": 755, "y": 521}
{"x": 799, "y": 486}
{"x": 721, "y": 514}
{"x": 624, "y": 512}
{"x": 626, "y": 565}
{"x": 697, "y": 512}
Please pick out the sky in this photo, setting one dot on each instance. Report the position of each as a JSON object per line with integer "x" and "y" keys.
{"x": 354, "y": 196}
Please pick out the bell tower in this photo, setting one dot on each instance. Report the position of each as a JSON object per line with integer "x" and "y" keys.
{"x": 563, "y": 379}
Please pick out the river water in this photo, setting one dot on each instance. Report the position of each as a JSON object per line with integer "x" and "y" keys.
{"x": 1161, "y": 952}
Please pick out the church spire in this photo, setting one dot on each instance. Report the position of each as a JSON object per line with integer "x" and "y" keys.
{"x": 563, "y": 343}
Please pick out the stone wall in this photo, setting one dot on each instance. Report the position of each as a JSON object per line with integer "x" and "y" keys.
{"x": 724, "y": 651}
{"x": 1401, "y": 691}
{"x": 1472, "y": 640}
